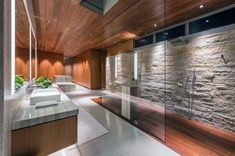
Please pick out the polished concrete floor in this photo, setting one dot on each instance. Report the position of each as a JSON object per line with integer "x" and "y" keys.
{"x": 123, "y": 139}
{"x": 148, "y": 117}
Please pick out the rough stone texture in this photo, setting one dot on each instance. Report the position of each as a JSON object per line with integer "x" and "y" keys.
{"x": 125, "y": 71}
{"x": 110, "y": 74}
{"x": 213, "y": 100}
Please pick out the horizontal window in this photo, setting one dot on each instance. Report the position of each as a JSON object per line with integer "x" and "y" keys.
{"x": 214, "y": 21}
{"x": 170, "y": 33}
{"x": 144, "y": 41}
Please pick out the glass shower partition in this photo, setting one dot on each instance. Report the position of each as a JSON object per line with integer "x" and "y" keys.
{"x": 135, "y": 81}
{"x": 178, "y": 77}
{"x": 200, "y": 80}
{"x": 151, "y": 89}
{"x": 136, "y": 84}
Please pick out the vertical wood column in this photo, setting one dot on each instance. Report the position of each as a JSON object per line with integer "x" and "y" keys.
{"x": 87, "y": 69}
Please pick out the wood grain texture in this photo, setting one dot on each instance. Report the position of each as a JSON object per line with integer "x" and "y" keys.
{"x": 120, "y": 48}
{"x": 96, "y": 71}
{"x": 103, "y": 68}
{"x": 68, "y": 69}
{"x": 33, "y": 58}
{"x": 82, "y": 69}
{"x": 64, "y": 26}
{"x": 87, "y": 69}
{"x": 22, "y": 63}
{"x": 50, "y": 64}
{"x": 41, "y": 140}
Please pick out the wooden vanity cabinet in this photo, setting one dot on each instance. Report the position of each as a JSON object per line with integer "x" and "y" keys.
{"x": 44, "y": 139}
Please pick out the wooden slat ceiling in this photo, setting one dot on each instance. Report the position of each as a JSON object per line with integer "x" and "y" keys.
{"x": 64, "y": 26}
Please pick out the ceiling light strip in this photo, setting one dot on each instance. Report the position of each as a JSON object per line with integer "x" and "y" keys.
{"x": 13, "y": 46}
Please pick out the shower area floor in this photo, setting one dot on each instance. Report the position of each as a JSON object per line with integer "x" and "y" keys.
{"x": 185, "y": 136}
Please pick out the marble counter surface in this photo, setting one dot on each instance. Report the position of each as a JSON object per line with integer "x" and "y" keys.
{"x": 28, "y": 115}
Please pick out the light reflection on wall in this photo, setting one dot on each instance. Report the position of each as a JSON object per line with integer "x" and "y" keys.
{"x": 22, "y": 68}
{"x": 129, "y": 35}
{"x": 50, "y": 64}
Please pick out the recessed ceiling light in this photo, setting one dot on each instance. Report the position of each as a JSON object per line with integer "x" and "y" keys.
{"x": 155, "y": 25}
{"x": 207, "y": 21}
{"x": 201, "y": 6}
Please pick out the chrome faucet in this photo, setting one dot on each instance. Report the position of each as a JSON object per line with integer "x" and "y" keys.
{"x": 192, "y": 90}
{"x": 190, "y": 93}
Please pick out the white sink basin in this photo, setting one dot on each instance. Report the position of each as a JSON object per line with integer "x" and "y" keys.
{"x": 47, "y": 94}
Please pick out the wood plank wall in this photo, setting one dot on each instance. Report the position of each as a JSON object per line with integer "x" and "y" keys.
{"x": 82, "y": 69}
{"x": 44, "y": 139}
{"x": 68, "y": 69}
{"x": 33, "y": 62}
{"x": 103, "y": 68}
{"x": 87, "y": 69}
{"x": 98, "y": 66}
{"x": 50, "y": 64}
{"x": 22, "y": 62}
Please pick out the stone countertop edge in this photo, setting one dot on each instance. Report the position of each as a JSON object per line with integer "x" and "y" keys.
{"x": 44, "y": 119}
{"x": 20, "y": 122}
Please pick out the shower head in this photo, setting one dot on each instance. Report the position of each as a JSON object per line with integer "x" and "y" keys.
{"x": 178, "y": 41}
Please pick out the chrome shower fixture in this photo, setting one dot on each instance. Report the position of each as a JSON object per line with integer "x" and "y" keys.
{"x": 193, "y": 82}
{"x": 225, "y": 61}
{"x": 190, "y": 93}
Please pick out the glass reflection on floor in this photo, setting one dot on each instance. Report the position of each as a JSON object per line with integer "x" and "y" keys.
{"x": 144, "y": 115}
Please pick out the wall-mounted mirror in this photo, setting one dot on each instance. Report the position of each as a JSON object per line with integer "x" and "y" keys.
{"x": 25, "y": 53}
{"x": 22, "y": 60}
{"x": 33, "y": 56}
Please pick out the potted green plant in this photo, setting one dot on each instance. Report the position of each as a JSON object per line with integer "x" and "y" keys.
{"x": 19, "y": 82}
{"x": 43, "y": 82}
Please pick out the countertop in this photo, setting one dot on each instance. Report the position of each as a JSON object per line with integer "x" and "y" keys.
{"x": 28, "y": 115}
